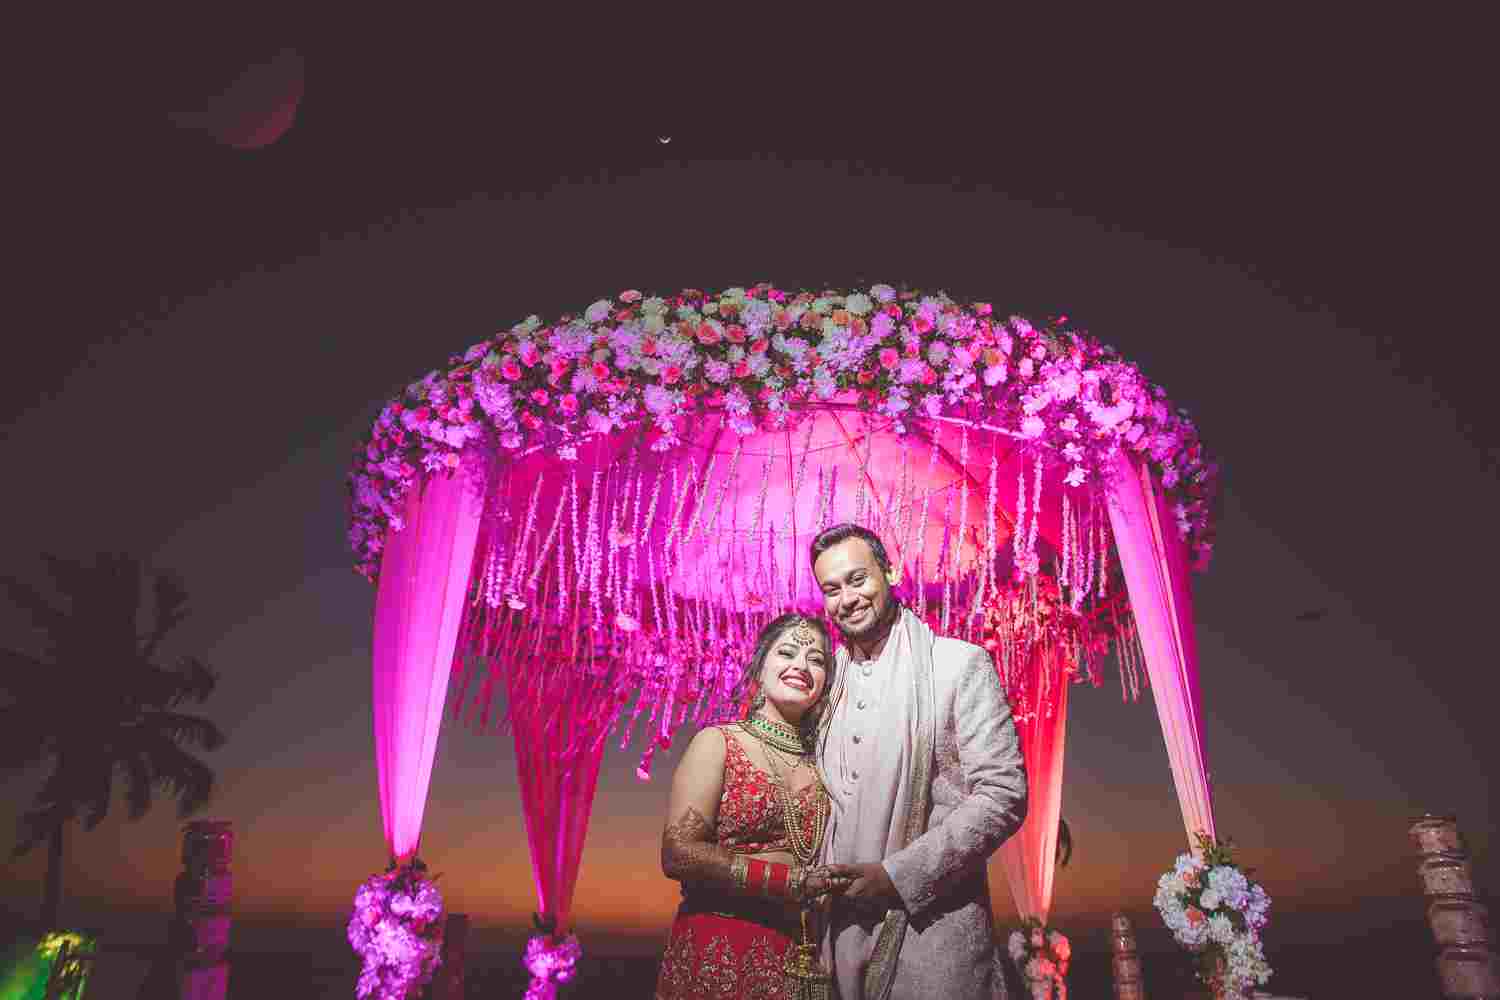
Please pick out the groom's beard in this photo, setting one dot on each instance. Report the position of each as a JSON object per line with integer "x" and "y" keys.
{"x": 879, "y": 628}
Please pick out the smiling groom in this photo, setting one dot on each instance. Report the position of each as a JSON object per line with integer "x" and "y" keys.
{"x": 921, "y": 760}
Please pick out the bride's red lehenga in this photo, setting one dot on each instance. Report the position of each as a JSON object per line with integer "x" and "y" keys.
{"x": 727, "y": 945}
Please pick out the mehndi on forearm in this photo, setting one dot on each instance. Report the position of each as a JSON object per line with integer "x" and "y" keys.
{"x": 690, "y": 856}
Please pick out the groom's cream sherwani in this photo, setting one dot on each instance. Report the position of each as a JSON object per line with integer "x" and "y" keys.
{"x": 924, "y": 768}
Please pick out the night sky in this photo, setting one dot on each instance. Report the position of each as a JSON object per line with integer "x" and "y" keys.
{"x": 1283, "y": 230}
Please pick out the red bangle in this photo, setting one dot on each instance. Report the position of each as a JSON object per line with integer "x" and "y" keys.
{"x": 756, "y": 876}
{"x": 776, "y": 884}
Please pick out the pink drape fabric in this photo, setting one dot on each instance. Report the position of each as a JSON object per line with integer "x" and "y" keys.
{"x": 558, "y": 751}
{"x": 1156, "y": 573}
{"x": 1030, "y": 855}
{"x": 424, "y": 576}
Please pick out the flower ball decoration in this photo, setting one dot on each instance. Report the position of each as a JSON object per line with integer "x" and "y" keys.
{"x": 1042, "y": 954}
{"x": 756, "y": 355}
{"x": 397, "y": 929}
{"x": 550, "y": 961}
{"x": 1215, "y": 911}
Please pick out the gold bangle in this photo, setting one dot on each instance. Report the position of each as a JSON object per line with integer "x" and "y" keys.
{"x": 739, "y": 871}
{"x": 795, "y": 882}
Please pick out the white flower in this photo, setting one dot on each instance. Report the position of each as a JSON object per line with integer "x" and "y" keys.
{"x": 1220, "y": 930}
{"x": 1209, "y": 900}
{"x": 883, "y": 293}
{"x": 859, "y": 304}
{"x": 599, "y": 311}
{"x": 1017, "y": 946}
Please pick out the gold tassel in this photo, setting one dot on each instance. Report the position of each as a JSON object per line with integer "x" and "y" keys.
{"x": 806, "y": 979}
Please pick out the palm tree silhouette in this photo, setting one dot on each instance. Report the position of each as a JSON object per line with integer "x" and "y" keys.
{"x": 95, "y": 704}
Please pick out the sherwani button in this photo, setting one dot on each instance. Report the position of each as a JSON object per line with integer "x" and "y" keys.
{"x": 861, "y": 703}
{"x": 856, "y": 737}
{"x": 854, "y": 775}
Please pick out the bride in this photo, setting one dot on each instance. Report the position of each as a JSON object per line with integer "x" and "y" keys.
{"x": 745, "y": 821}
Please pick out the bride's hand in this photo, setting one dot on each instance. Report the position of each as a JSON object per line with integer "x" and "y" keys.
{"x": 820, "y": 883}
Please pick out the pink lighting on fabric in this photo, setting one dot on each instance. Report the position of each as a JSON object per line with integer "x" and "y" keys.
{"x": 559, "y": 746}
{"x": 1153, "y": 559}
{"x": 419, "y": 608}
{"x": 1030, "y": 855}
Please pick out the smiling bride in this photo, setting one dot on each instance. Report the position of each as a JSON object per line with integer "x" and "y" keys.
{"x": 745, "y": 822}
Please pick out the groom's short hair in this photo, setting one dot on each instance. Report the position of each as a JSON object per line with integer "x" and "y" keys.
{"x": 840, "y": 533}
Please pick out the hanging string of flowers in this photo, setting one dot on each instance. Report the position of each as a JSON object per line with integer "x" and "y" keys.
{"x": 1042, "y": 955}
{"x": 756, "y": 354}
{"x": 397, "y": 929}
{"x": 1215, "y": 911}
{"x": 1034, "y": 615}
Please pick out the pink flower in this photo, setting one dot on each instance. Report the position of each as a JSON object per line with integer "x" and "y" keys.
{"x": 760, "y": 346}
{"x": 928, "y": 375}
{"x": 1075, "y": 476}
{"x": 670, "y": 375}
{"x": 568, "y": 404}
{"x": 626, "y": 623}
{"x": 601, "y": 370}
{"x": 1026, "y": 367}
{"x": 529, "y": 353}
{"x": 510, "y": 369}
{"x": 735, "y": 333}
{"x": 511, "y": 440}
{"x": 995, "y": 374}
{"x": 741, "y": 369}
{"x": 889, "y": 358}
{"x": 1039, "y": 351}
{"x": 708, "y": 335}
{"x": 540, "y": 397}
{"x": 630, "y": 295}
{"x": 1033, "y": 427}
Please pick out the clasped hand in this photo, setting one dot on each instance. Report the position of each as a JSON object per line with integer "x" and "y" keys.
{"x": 865, "y": 885}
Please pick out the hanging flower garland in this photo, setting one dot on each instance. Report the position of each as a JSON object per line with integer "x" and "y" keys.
{"x": 757, "y": 354}
{"x": 397, "y": 929}
{"x": 1042, "y": 955}
{"x": 550, "y": 960}
{"x": 1216, "y": 912}
{"x": 1071, "y": 628}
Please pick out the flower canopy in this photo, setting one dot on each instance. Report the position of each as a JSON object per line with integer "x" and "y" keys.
{"x": 756, "y": 355}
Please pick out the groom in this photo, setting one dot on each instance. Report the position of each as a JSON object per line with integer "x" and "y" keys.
{"x": 922, "y": 762}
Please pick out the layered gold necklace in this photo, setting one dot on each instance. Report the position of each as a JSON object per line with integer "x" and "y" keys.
{"x": 776, "y": 736}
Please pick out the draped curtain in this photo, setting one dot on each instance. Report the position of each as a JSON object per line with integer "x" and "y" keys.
{"x": 424, "y": 577}
{"x": 558, "y": 752}
{"x": 1154, "y": 560}
{"x": 1030, "y": 855}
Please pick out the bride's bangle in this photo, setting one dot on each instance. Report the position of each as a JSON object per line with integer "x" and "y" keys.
{"x": 796, "y": 883}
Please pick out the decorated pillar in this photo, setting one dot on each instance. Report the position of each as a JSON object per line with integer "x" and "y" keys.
{"x": 1467, "y": 966}
{"x": 1125, "y": 960}
{"x": 449, "y": 983}
{"x": 203, "y": 893}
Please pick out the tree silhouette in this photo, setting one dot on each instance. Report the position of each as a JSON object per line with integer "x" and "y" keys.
{"x": 95, "y": 704}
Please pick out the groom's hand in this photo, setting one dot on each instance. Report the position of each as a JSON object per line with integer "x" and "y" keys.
{"x": 869, "y": 886}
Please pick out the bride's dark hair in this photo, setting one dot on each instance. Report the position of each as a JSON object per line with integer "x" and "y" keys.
{"x": 750, "y": 679}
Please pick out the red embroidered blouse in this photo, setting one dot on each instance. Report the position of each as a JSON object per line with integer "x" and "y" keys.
{"x": 750, "y": 813}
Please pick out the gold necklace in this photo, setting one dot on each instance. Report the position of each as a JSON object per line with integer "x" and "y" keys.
{"x": 777, "y": 734}
{"x": 803, "y": 849}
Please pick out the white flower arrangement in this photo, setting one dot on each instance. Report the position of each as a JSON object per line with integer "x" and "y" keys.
{"x": 1214, "y": 910}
